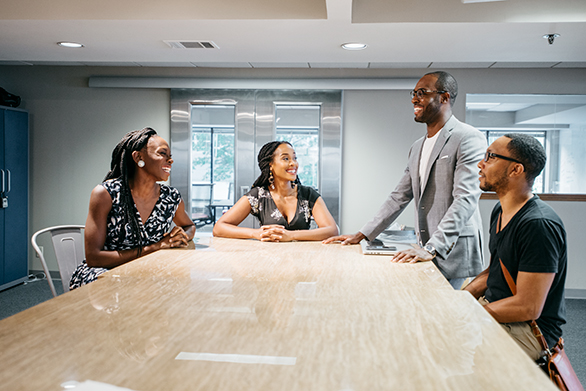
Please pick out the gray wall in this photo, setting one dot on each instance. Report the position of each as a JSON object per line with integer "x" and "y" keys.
{"x": 74, "y": 128}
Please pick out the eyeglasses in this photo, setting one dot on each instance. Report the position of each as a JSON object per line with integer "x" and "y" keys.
{"x": 420, "y": 93}
{"x": 490, "y": 155}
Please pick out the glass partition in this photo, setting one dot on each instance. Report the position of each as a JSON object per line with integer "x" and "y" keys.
{"x": 557, "y": 121}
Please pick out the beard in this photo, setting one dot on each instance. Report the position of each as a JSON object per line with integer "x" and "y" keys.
{"x": 499, "y": 184}
{"x": 429, "y": 113}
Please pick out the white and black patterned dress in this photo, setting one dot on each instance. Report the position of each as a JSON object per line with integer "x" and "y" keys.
{"x": 264, "y": 208}
{"x": 158, "y": 223}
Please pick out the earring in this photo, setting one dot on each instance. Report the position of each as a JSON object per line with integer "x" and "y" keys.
{"x": 271, "y": 180}
{"x": 141, "y": 163}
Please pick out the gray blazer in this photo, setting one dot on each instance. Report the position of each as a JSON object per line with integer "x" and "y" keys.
{"x": 446, "y": 208}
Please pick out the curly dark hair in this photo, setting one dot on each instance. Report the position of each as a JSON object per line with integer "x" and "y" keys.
{"x": 265, "y": 157}
{"x": 123, "y": 167}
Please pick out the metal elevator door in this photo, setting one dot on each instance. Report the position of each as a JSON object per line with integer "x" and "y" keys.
{"x": 310, "y": 119}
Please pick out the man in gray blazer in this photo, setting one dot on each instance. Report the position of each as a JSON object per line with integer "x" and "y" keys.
{"x": 442, "y": 178}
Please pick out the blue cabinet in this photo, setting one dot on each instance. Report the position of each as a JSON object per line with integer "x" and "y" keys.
{"x": 14, "y": 196}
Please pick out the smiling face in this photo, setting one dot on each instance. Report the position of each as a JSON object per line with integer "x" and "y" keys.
{"x": 427, "y": 109}
{"x": 157, "y": 158}
{"x": 284, "y": 165}
{"x": 494, "y": 173}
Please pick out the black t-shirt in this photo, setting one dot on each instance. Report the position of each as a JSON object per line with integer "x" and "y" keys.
{"x": 264, "y": 208}
{"x": 533, "y": 241}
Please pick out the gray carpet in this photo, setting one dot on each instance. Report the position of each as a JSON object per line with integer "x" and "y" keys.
{"x": 575, "y": 336}
{"x": 36, "y": 291}
{"x": 23, "y": 296}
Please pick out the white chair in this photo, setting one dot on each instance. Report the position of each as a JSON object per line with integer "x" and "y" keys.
{"x": 68, "y": 246}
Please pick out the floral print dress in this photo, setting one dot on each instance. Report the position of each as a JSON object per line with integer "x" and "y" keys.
{"x": 264, "y": 208}
{"x": 157, "y": 224}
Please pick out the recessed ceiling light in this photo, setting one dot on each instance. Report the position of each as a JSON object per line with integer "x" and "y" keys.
{"x": 354, "y": 46}
{"x": 70, "y": 44}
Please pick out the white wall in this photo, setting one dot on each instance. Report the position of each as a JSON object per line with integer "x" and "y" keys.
{"x": 74, "y": 128}
{"x": 378, "y": 129}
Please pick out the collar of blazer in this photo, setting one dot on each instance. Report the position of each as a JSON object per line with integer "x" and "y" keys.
{"x": 442, "y": 139}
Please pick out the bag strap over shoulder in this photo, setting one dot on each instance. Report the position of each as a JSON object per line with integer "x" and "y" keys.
{"x": 533, "y": 323}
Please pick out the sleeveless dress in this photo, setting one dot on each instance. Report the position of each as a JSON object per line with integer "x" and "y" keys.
{"x": 158, "y": 223}
{"x": 264, "y": 208}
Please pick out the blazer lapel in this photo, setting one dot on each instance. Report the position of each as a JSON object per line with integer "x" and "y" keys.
{"x": 442, "y": 139}
{"x": 414, "y": 167}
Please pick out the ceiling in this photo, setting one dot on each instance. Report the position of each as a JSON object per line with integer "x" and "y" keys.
{"x": 296, "y": 34}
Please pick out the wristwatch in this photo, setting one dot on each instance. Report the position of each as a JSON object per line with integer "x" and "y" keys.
{"x": 430, "y": 249}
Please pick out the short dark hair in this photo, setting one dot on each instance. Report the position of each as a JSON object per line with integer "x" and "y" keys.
{"x": 446, "y": 82}
{"x": 529, "y": 151}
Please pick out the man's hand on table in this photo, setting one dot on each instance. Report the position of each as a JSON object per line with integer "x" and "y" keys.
{"x": 345, "y": 239}
{"x": 412, "y": 255}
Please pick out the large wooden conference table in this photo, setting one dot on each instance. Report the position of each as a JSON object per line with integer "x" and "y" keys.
{"x": 245, "y": 315}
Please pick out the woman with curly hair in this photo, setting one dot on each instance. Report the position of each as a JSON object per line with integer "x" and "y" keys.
{"x": 281, "y": 203}
{"x": 130, "y": 213}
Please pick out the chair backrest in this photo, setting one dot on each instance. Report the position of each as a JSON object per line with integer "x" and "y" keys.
{"x": 68, "y": 246}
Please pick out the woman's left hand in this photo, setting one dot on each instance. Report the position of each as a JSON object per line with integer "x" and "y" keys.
{"x": 275, "y": 233}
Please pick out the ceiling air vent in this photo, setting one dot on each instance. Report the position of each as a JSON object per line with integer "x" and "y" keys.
{"x": 192, "y": 44}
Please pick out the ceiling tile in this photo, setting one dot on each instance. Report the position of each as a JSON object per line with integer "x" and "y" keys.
{"x": 434, "y": 11}
{"x": 165, "y": 64}
{"x": 338, "y": 65}
{"x": 279, "y": 64}
{"x": 409, "y": 65}
{"x": 523, "y": 64}
{"x": 164, "y": 10}
{"x": 222, "y": 64}
{"x": 109, "y": 64}
{"x": 461, "y": 64}
{"x": 570, "y": 65}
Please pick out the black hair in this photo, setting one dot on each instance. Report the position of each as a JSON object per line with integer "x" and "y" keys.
{"x": 446, "y": 82}
{"x": 265, "y": 157}
{"x": 123, "y": 167}
{"x": 529, "y": 151}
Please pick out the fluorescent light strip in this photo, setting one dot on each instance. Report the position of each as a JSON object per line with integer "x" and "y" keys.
{"x": 237, "y": 358}
{"x": 74, "y": 45}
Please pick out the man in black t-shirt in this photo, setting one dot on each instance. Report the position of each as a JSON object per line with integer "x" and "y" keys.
{"x": 529, "y": 238}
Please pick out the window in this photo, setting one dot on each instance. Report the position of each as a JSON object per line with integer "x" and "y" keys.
{"x": 539, "y": 184}
{"x": 557, "y": 121}
{"x": 212, "y": 163}
{"x": 299, "y": 125}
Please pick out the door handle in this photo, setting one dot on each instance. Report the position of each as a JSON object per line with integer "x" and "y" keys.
{"x": 8, "y": 172}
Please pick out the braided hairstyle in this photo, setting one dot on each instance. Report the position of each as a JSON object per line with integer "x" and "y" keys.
{"x": 265, "y": 157}
{"x": 123, "y": 167}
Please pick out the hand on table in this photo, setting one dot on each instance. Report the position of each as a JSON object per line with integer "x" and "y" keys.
{"x": 275, "y": 233}
{"x": 412, "y": 255}
{"x": 176, "y": 238}
{"x": 345, "y": 239}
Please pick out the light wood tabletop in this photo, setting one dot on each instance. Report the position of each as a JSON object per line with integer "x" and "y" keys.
{"x": 246, "y": 315}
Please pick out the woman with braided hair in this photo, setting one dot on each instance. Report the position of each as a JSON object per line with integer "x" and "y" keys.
{"x": 130, "y": 213}
{"x": 283, "y": 206}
